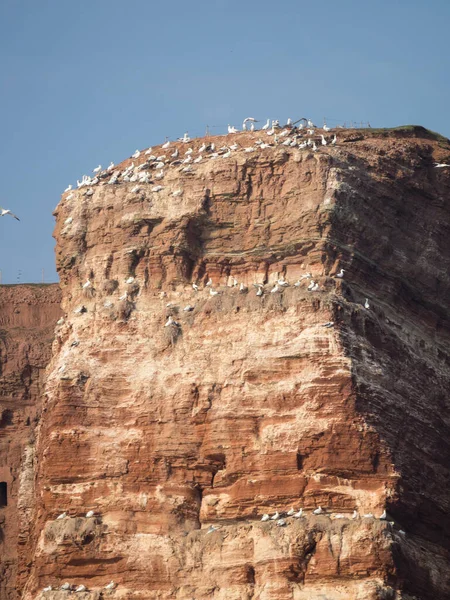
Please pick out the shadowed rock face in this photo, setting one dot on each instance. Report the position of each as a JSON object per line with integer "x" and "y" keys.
{"x": 27, "y": 320}
{"x": 250, "y": 405}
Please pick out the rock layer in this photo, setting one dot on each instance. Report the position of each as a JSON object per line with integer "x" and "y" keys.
{"x": 27, "y": 320}
{"x": 250, "y": 404}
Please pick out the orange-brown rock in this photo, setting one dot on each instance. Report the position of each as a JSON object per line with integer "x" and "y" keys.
{"x": 28, "y": 315}
{"x": 250, "y": 405}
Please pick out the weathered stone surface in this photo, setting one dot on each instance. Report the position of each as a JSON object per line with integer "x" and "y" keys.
{"x": 251, "y": 405}
{"x": 27, "y": 319}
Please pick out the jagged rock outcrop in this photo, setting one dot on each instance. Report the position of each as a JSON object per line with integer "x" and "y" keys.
{"x": 250, "y": 405}
{"x": 28, "y": 314}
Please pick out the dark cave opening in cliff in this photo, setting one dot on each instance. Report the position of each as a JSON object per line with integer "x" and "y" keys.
{"x": 3, "y": 494}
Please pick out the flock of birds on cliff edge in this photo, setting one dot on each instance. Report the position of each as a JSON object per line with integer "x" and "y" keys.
{"x": 280, "y": 518}
{"x": 301, "y": 134}
{"x": 277, "y": 288}
{"x": 151, "y": 167}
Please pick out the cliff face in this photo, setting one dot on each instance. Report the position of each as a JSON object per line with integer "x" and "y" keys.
{"x": 250, "y": 405}
{"x": 28, "y": 315}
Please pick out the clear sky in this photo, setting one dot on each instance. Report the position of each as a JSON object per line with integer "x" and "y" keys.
{"x": 85, "y": 82}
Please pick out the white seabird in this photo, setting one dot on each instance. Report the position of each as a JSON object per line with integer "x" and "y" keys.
{"x": 267, "y": 125}
{"x": 65, "y": 586}
{"x": 265, "y": 517}
{"x": 243, "y": 288}
{"x": 195, "y": 287}
{"x": 136, "y": 154}
{"x": 212, "y": 528}
{"x": 157, "y": 188}
{"x": 49, "y": 588}
{"x": 171, "y": 321}
{"x": 166, "y": 144}
{"x": 177, "y": 193}
{"x": 232, "y": 129}
{"x": 61, "y": 516}
{"x": 87, "y": 284}
{"x": 97, "y": 169}
{"x": 275, "y": 516}
{"x": 188, "y": 308}
{"x": 334, "y": 140}
{"x": 366, "y": 304}
{"x": 440, "y": 165}
{"x": 81, "y": 588}
{"x": 318, "y": 511}
{"x": 135, "y": 190}
{"x": 298, "y": 514}
{"x": 311, "y": 285}
{"x": 355, "y": 514}
{"x": 340, "y": 275}
{"x": 5, "y": 211}
{"x": 281, "y": 523}
{"x": 368, "y": 516}
{"x": 383, "y": 517}
{"x": 290, "y": 512}
{"x": 276, "y": 288}
{"x": 209, "y": 283}
{"x": 213, "y": 292}
{"x": 324, "y": 141}
{"x": 260, "y": 291}
{"x": 68, "y": 188}
{"x": 89, "y": 514}
{"x": 111, "y": 585}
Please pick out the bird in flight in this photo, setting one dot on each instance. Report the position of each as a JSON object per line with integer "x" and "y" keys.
{"x": 4, "y": 211}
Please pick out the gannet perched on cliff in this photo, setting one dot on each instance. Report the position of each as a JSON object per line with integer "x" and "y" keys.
{"x": 49, "y": 588}
{"x": 276, "y": 288}
{"x": 136, "y": 154}
{"x": 65, "y": 586}
{"x": 281, "y": 523}
{"x": 185, "y": 139}
{"x": 212, "y": 528}
{"x": 265, "y": 517}
{"x": 97, "y": 169}
{"x": 171, "y": 321}
{"x": 260, "y": 291}
{"x": 213, "y": 292}
{"x": 383, "y": 517}
{"x": 166, "y": 144}
{"x": 195, "y": 287}
{"x": 177, "y": 193}
{"x": 89, "y": 514}
{"x": 355, "y": 514}
{"x": 318, "y": 511}
{"x": 334, "y": 140}
{"x": 298, "y": 514}
{"x": 5, "y": 211}
{"x": 324, "y": 141}
{"x": 340, "y": 275}
{"x": 87, "y": 284}
{"x": 275, "y": 516}
{"x": 68, "y": 188}
{"x": 325, "y": 127}
{"x": 157, "y": 188}
{"x": 61, "y": 516}
{"x": 188, "y": 308}
{"x": 81, "y": 588}
{"x": 366, "y": 304}
{"x": 440, "y": 165}
{"x": 232, "y": 129}
{"x": 148, "y": 151}
{"x": 111, "y": 585}
{"x": 290, "y": 512}
{"x": 267, "y": 125}
{"x": 243, "y": 288}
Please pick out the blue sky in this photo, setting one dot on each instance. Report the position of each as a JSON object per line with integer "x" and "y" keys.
{"x": 88, "y": 81}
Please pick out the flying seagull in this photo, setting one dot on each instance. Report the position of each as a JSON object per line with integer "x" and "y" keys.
{"x": 4, "y": 211}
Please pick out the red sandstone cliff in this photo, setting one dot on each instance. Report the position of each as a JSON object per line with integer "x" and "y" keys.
{"x": 251, "y": 405}
{"x": 28, "y": 316}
